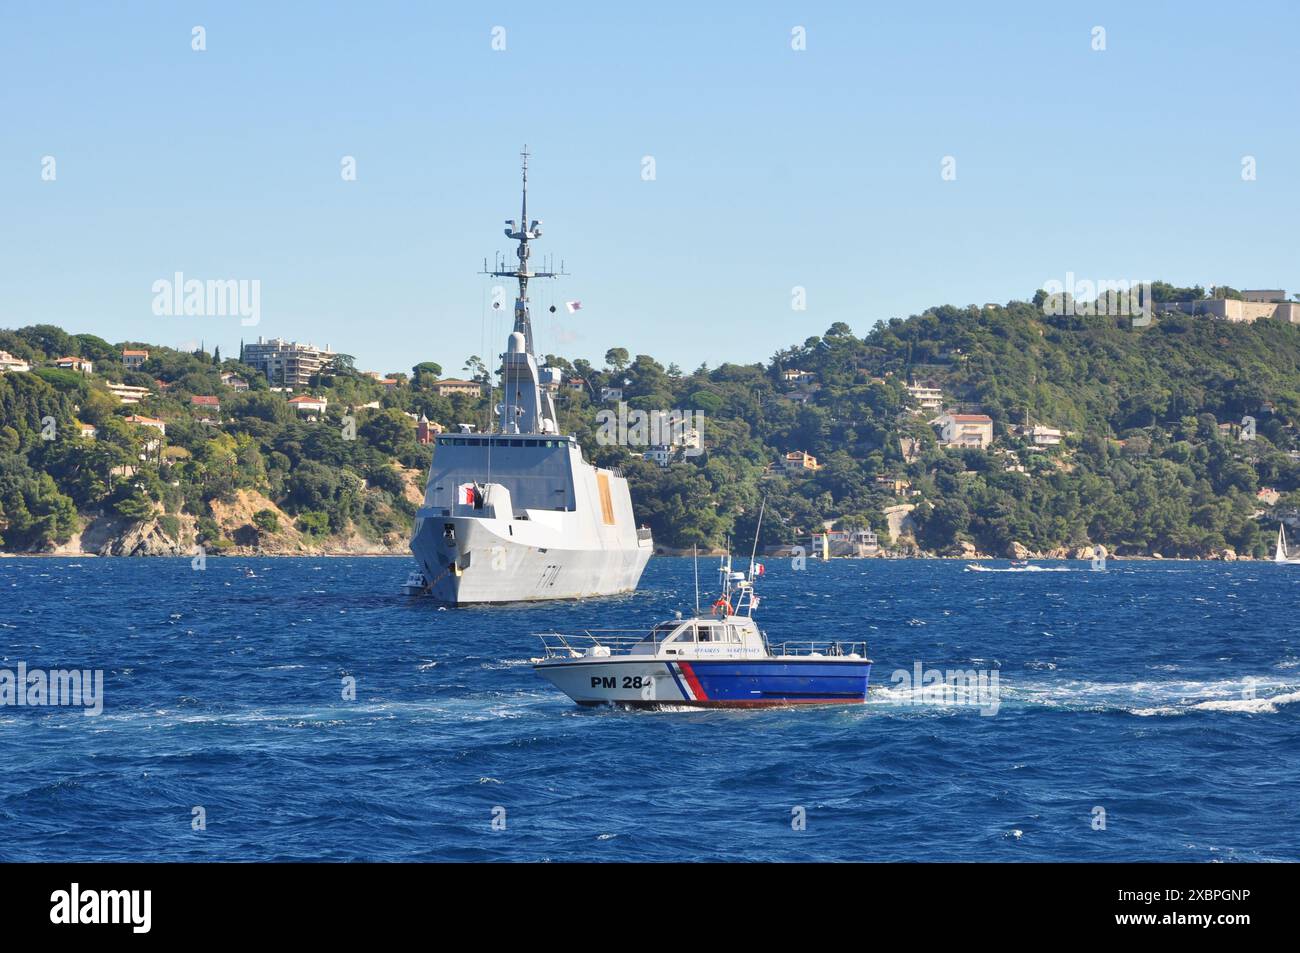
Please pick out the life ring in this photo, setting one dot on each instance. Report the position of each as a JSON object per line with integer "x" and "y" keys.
{"x": 722, "y": 603}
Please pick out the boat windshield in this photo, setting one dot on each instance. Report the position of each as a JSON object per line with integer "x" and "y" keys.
{"x": 659, "y": 633}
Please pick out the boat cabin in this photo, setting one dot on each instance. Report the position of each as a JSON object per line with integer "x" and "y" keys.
{"x": 730, "y": 636}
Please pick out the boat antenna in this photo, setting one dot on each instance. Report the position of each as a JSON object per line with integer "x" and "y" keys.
{"x": 753, "y": 553}
{"x": 523, "y": 232}
{"x": 695, "y": 552}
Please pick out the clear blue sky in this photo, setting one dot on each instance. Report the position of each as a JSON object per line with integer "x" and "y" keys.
{"x": 775, "y": 168}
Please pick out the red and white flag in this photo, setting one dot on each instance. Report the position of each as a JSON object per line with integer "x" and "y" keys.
{"x": 573, "y": 306}
{"x": 465, "y": 494}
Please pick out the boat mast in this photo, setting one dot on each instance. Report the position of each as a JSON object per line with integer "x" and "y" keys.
{"x": 753, "y": 553}
{"x": 523, "y": 232}
{"x": 515, "y": 405}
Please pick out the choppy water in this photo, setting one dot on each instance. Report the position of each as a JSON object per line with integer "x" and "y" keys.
{"x": 1164, "y": 693}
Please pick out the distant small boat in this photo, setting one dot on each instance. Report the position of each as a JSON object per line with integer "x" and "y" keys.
{"x": 1280, "y": 555}
{"x": 416, "y": 584}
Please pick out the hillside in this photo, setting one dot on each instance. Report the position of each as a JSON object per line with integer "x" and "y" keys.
{"x": 85, "y": 470}
{"x": 1150, "y": 457}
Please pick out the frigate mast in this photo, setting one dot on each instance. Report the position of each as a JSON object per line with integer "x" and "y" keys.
{"x": 523, "y": 233}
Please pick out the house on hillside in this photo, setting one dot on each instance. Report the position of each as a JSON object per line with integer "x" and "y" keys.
{"x": 9, "y": 363}
{"x": 452, "y": 386}
{"x": 1256, "y": 305}
{"x": 929, "y": 399}
{"x": 208, "y": 409}
{"x": 127, "y": 393}
{"x": 797, "y": 461}
{"x": 965, "y": 430}
{"x": 80, "y": 365}
{"x": 1039, "y": 436}
{"x": 308, "y": 405}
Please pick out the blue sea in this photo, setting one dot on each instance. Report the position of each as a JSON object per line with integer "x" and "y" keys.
{"x": 1148, "y": 712}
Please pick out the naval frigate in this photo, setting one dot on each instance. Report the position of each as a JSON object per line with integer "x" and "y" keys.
{"x": 517, "y": 514}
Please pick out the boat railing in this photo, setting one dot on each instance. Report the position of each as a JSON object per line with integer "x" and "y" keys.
{"x": 826, "y": 648}
{"x": 643, "y": 532}
{"x": 591, "y": 643}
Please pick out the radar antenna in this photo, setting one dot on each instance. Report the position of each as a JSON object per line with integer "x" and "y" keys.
{"x": 523, "y": 232}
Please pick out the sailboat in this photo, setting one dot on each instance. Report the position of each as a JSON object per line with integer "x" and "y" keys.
{"x": 1280, "y": 555}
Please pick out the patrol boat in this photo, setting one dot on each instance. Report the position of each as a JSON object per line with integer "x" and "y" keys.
{"x": 716, "y": 660}
{"x": 519, "y": 515}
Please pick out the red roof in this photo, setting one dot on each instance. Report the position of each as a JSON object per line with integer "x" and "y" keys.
{"x": 206, "y": 401}
{"x": 304, "y": 399}
{"x": 973, "y": 418}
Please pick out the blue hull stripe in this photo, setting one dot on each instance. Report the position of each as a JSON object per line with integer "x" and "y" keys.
{"x": 749, "y": 681}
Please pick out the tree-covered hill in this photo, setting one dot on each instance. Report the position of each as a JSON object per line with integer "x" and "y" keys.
{"x": 1144, "y": 466}
{"x": 1151, "y": 460}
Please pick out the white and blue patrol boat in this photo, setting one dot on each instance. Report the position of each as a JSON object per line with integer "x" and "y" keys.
{"x": 716, "y": 660}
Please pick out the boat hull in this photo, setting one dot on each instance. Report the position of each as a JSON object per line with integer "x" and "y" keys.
{"x": 493, "y": 561}
{"x": 736, "y": 683}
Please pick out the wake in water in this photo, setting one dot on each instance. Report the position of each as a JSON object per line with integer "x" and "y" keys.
{"x": 976, "y": 567}
{"x": 1252, "y": 696}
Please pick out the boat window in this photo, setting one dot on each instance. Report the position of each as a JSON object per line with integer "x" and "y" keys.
{"x": 659, "y": 633}
{"x": 733, "y": 633}
{"x": 686, "y": 635}
{"x": 709, "y": 633}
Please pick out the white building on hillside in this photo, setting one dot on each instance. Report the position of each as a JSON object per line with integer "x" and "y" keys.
{"x": 965, "y": 430}
{"x": 929, "y": 398}
{"x": 127, "y": 393}
{"x": 10, "y": 363}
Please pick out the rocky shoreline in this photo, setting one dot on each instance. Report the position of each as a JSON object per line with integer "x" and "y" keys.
{"x": 177, "y": 534}
{"x": 163, "y": 535}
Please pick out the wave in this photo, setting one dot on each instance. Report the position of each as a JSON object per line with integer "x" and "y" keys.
{"x": 1254, "y": 706}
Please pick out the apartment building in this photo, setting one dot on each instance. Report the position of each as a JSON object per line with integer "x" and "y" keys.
{"x": 929, "y": 398}
{"x": 287, "y": 363}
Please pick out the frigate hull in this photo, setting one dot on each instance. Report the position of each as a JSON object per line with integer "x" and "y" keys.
{"x": 522, "y": 517}
{"x": 480, "y": 561}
